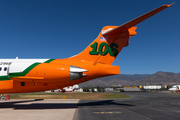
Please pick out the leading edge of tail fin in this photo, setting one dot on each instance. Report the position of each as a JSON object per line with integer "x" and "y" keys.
{"x": 112, "y": 39}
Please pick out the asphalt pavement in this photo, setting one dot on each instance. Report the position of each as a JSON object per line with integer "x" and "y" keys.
{"x": 141, "y": 106}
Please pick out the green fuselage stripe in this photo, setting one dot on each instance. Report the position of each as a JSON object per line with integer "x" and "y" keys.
{"x": 24, "y": 72}
{"x": 5, "y": 77}
{"x": 48, "y": 61}
{"x": 2, "y": 78}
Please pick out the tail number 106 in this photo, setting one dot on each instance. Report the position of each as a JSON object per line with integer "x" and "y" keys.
{"x": 103, "y": 49}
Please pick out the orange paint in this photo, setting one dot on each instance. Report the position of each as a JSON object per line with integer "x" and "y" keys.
{"x": 94, "y": 62}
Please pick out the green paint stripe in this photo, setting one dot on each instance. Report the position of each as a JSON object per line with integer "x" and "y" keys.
{"x": 24, "y": 72}
{"x": 48, "y": 61}
{"x": 2, "y": 78}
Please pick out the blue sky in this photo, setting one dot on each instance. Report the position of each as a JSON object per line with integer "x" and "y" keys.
{"x": 63, "y": 28}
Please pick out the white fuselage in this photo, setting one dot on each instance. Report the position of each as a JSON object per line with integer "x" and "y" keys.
{"x": 5, "y": 63}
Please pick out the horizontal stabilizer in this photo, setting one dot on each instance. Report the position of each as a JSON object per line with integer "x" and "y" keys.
{"x": 134, "y": 22}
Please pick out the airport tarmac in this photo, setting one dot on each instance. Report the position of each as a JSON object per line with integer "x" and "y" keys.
{"x": 142, "y": 106}
{"x": 56, "y": 109}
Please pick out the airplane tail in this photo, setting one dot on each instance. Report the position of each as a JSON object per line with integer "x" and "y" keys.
{"x": 105, "y": 48}
{"x": 73, "y": 88}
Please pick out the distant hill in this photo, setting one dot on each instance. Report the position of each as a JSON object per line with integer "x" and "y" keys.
{"x": 159, "y": 78}
{"x": 122, "y": 79}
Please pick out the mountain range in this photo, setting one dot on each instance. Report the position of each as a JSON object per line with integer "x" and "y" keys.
{"x": 159, "y": 78}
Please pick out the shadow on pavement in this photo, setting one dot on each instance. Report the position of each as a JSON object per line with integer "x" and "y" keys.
{"x": 33, "y": 106}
